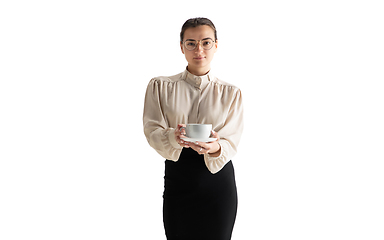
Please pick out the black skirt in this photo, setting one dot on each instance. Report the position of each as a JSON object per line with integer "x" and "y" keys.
{"x": 198, "y": 204}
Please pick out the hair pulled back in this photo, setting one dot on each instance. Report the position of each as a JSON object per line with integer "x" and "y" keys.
{"x": 195, "y": 22}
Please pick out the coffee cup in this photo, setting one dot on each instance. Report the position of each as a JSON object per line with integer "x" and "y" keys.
{"x": 201, "y": 131}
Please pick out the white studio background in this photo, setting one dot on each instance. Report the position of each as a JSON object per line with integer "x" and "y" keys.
{"x": 74, "y": 162}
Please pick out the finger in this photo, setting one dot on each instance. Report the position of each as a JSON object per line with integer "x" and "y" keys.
{"x": 206, "y": 146}
{"x": 179, "y": 134}
{"x": 194, "y": 147}
{"x": 182, "y": 139}
{"x": 184, "y": 144}
{"x": 182, "y": 131}
{"x": 199, "y": 148}
{"x": 179, "y": 139}
{"x": 203, "y": 147}
{"x": 202, "y": 144}
{"x": 215, "y": 135}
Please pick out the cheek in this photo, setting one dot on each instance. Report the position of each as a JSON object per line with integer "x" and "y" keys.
{"x": 210, "y": 54}
{"x": 188, "y": 55}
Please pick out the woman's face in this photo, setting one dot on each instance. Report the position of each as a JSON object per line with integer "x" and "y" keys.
{"x": 199, "y": 59}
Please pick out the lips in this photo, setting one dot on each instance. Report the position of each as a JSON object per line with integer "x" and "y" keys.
{"x": 198, "y": 58}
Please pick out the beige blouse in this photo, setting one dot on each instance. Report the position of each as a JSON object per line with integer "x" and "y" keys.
{"x": 186, "y": 98}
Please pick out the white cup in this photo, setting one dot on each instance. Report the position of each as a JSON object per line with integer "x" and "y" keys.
{"x": 198, "y": 130}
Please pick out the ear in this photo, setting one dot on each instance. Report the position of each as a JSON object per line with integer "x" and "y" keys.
{"x": 216, "y": 44}
{"x": 181, "y": 46}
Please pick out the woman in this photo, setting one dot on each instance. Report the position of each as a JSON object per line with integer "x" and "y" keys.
{"x": 200, "y": 197}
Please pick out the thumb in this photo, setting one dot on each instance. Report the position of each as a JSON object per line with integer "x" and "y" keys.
{"x": 215, "y": 135}
{"x": 180, "y": 126}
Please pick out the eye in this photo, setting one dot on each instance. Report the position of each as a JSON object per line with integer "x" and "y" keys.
{"x": 207, "y": 43}
{"x": 190, "y": 44}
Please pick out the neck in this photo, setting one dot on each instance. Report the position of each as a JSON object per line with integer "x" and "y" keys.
{"x": 198, "y": 71}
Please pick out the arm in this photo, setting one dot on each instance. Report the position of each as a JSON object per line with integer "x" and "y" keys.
{"x": 218, "y": 153}
{"x": 159, "y": 135}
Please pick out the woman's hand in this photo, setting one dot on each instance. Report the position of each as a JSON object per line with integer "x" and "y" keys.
{"x": 179, "y": 135}
{"x": 213, "y": 148}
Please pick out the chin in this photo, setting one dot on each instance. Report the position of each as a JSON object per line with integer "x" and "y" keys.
{"x": 201, "y": 62}
{"x": 199, "y": 65}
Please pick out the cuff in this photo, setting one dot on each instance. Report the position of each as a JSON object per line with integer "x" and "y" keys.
{"x": 215, "y": 164}
{"x": 172, "y": 139}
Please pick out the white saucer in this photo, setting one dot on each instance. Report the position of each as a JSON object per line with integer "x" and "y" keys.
{"x": 187, "y": 139}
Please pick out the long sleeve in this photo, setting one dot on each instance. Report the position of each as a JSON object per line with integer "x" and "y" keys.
{"x": 184, "y": 99}
{"x": 156, "y": 128}
{"x": 229, "y": 134}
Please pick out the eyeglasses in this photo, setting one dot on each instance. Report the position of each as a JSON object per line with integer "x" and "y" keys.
{"x": 191, "y": 44}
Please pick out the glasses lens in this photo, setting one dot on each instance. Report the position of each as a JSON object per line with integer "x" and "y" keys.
{"x": 190, "y": 45}
{"x": 207, "y": 44}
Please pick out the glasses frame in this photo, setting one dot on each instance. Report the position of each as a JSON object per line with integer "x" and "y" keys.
{"x": 199, "y": 42}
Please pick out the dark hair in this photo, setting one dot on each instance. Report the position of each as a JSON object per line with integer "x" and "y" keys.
{"x": 195, "y": 22}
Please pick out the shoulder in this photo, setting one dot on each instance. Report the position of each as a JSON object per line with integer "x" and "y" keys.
{"x": 225, "y": 86}
{"x": 161, "y": 80}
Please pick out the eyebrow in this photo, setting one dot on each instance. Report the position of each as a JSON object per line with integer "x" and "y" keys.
{"x": 201, "y": 39}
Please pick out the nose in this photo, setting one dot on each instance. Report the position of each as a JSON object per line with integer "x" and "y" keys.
{"x": 199, "y": 47}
